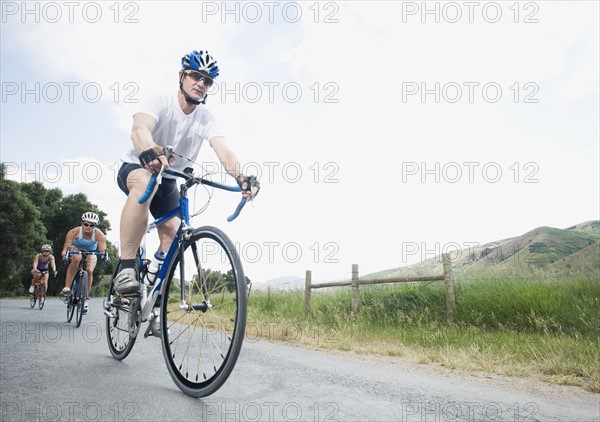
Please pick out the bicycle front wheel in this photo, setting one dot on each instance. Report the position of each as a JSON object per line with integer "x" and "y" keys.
{"x": 81, "y": 295}
{"x": 203, "y": 312}
{"x": 41, "y": 296}
{"x": 32, "y": 298}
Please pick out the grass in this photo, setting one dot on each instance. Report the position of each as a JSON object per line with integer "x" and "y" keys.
{"x": 548, "y": 330}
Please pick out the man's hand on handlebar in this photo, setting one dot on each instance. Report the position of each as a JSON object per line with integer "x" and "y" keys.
{"x": 249, "y": 185}
{"x": 152, "y": 159}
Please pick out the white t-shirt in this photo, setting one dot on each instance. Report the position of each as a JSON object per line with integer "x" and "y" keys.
{"x": 185, "y": 133}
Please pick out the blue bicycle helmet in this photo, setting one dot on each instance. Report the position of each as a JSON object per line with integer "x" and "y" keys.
{"x": 201, "y": 61}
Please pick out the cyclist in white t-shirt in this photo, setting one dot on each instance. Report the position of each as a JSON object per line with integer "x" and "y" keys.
{"x": 181, "y": 120}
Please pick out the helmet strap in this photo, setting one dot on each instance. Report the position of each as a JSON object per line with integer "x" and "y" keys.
{"x": 189, "y": 99}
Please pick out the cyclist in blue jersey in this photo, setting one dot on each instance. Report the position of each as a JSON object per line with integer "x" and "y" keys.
{"x": 86, "y": 237}
{"x": 179, "y": 119}
{"x": 41, "y": 264}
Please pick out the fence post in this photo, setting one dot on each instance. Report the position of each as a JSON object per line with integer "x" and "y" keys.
{"x": 355, "y": 296}
{"x": 449, "y": 285}
{"x": 307, "y": 283}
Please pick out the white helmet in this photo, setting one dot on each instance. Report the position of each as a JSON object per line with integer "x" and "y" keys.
{"x": 91, "y": 217}
{"x": 46, "y": 248}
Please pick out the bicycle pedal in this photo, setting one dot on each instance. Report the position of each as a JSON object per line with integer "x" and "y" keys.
{"x": 147, "y": 333}
{"x": 151, "y": 332}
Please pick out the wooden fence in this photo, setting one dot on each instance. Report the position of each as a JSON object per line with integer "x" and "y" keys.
{"x": 355, "y": 282}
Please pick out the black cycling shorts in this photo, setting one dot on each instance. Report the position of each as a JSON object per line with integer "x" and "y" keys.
{"x": 166, "y": 197}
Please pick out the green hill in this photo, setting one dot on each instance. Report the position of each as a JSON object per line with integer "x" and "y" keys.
{"x": 552, "y": 249}
{"x": 539, "y": 247}
{"x": 587, "y": 258}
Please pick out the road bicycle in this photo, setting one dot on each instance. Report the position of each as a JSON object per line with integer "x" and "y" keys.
{"x": 79, "y": 290}
{"x": 197, "y": 303}
{"x": 39, "y": 291}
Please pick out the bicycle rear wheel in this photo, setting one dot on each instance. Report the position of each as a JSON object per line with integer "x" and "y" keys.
{"x": 202, "y": 337}
{"x": 72, "y": 299}
{"x": 81, "y": 296}
{"x": 119, "y": 323}
{"x": 41, "y": 296}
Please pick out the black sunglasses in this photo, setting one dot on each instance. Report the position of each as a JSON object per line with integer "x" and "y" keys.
{"x": 197, "y": 77}
{"x": 88, "y": 224}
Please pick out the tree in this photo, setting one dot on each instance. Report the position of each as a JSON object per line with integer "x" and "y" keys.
{"x": 30, "y": 216}
{"x": 36, "y": 192}
{"x": 22, "y": 234}
{"x": 230, "y": 281}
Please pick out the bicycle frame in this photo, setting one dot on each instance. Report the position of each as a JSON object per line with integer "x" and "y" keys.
{"x": 148, "y": 299}
{"x": 39, "y": 289}
{"x": 76, "y": 280}
{"x": 39, "y": 277}
{"x": 82, "y": 267}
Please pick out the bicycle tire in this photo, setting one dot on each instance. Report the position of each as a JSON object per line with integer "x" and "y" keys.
{"x": 201, "y": 344}
{"x": 81, "y": 295}
{"x": 120, "y": 342}
{"x": 71, "y": 299}
{"x": 41, "y": 296}
{"x": 32, "y": 298}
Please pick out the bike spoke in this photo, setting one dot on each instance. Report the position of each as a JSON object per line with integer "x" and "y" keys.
{"x": 202, "y": 340}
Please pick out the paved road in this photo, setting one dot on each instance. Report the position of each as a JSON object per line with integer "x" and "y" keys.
{"x": 52, "y": 371}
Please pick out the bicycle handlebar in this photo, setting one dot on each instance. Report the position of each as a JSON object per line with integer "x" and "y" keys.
{"x": 191, "y": 180}
{"x": 229, "y": 188}
{"x": 70, "y": 252}
{"x": 86, "y": 253}
{"x": 149, "y": 189}
{"x": 237, "y": 211}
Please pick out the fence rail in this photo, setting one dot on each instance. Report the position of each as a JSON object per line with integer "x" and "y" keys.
{"x": 355, "y": 282}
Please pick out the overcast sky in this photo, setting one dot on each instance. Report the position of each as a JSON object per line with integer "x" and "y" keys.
{"x": 382, "y": 132}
